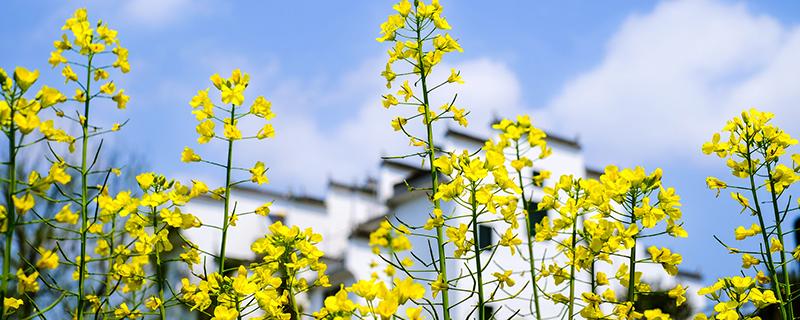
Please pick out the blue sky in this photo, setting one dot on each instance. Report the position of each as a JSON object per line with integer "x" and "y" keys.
{"x": 639, "y": 82}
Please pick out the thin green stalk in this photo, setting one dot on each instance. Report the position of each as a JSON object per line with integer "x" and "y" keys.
{"x": 770, "y": 264}
{"x": 84, "y": 190}
{"x": 109, "y": 277}
{"x": 372, "y": 310}
{"x": 228, "y": 167}
{"x": 295, "y": 309}
{"x": 391, "y": 254}
{"x": 11, "y": 209}
{"x": 478, "y": 249}
{"x": 531, "y": 236}
{"x": 440, "y": 241}
{"x": 572, "y": 267}
{"x": 162, "y": 312}
{"x": 775, "y": 209}
{"x": 40, "y": 313}
{"x": 287, "y": 280}
{"x": 592, "y": 278}
{"x": 632, "y": 258}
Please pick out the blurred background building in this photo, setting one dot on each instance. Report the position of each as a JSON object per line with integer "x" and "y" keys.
{"x": 348, "y": 212}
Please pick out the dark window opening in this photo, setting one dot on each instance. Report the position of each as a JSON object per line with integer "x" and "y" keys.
{"x": 485, "y": 237}
{"x": 535, "y": 174}
{"x": 535, "y": 215}
{"x": 488, "y": 312}
{"x": 797, "y": 232}
{"x": 278, "y": 217}
{"x": 330, "y": 292}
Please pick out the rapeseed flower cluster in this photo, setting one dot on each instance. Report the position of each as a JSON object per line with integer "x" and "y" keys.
{"x": 418, "y": 33}
{"x": 82, "y": 51}
{"x": 483, "y": 187}
{"x": 153, "y": 221}
{"x": 598, "y": 226}
{"x": 755, "y": 150}
{"x": 269, "y": 285}
{"x": 734, "y": 295}
{"x": 517, "y": 140}
{"x": 381, "y": 300}
{"x": 21, "y": 118}
{"x": 255, "y": 286}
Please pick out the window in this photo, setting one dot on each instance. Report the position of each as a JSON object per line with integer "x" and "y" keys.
{"x": 485, "y": 236}
{"x": 535, "y": 215}
{"x": 278, "y": 217}
{"x": 797, "y": 232}
{"x": 534, "y": 175}
{"x": 330, "y": 292}
{"x": 488, "y": 312}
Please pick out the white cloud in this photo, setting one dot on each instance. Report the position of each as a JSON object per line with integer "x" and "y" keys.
{"x": 667, "y": 80}
{"x": 306, "y": 151}
{"x": 491, "y": 89}
{"x": 776, "y": 85}
{"x": 671, "y": 77}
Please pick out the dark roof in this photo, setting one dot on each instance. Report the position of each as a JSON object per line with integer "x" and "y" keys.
{"x": 694, "y": 275}
{"x": 562, "y": 140}
{"x": 417, "y": 179}
{"x": 420, "y": 180}
{"x": 306, "y": 199}
{"x": 363, "y": 230}
{"x": 478, "y": 139}
{"x": 368, "y": 189}
{"x": 594, "y": 172}
{"x": 402, "y": 165}
{"x": 464, "y": 135}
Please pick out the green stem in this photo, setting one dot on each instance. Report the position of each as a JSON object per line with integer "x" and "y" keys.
{"x": 228, "y": 167}
{"x": 440, "y": 241}
{"x": 295, "y": 309}
{"x": 391, "y": 254}
{"x": 592, "y": 277}
{"x": 109, "y": 277}
{"x": 162, "y": 312}
{"x": 787, "y": 282}
{"x": 238, "y": 312}
{"x": 478, "y": 249}
{"x": 770, "y": 265}
{"x": 287, "y": 282}
{"x": 10, "y": 208}
{"x": 632, "y": 258}
{"x": 572, "y": 267}
{"x": 531, "y": 236}
{"x": 84, "y": 191}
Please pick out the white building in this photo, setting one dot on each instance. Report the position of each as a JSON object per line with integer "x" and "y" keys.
{"x": 346, "y": 214}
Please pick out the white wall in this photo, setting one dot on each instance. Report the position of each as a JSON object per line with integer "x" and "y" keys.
{"x": 345, "y": 208}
